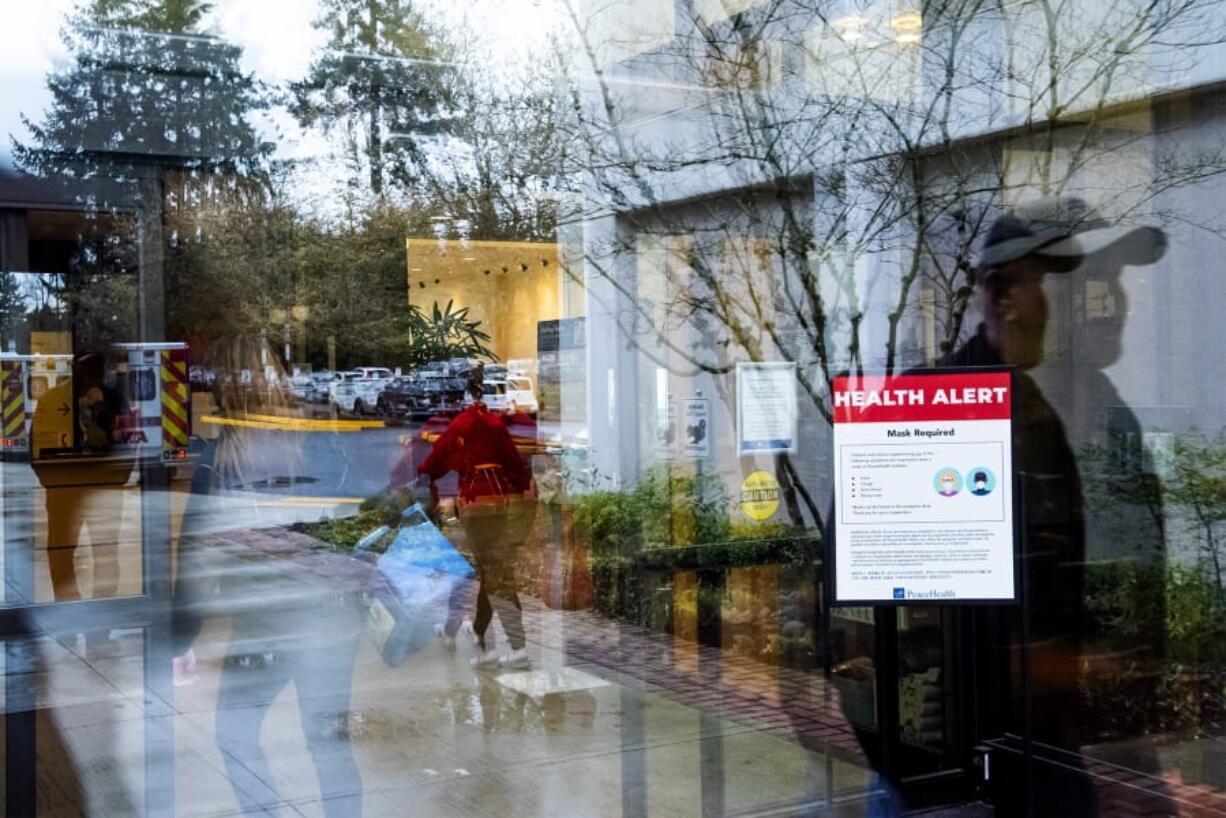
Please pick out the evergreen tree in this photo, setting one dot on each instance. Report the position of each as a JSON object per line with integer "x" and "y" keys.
{"x": 153, "y": 111}
{"x": 146, "y": 88}
{"x": 385, "y": 74}
{"x": 12, "y": 307}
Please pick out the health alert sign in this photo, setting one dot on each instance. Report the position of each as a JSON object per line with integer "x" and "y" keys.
{"x": 923, "y": 488}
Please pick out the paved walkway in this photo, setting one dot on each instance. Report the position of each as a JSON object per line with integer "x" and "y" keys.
{"x": 613, "y": 720}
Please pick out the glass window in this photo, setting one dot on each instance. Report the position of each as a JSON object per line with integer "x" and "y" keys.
{"x": 551, "y": 407}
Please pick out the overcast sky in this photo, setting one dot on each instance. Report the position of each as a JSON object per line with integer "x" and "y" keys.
{"x": 277, "y": 39}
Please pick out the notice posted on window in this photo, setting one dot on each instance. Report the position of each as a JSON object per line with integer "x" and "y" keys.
{"x": 923, "y": 500}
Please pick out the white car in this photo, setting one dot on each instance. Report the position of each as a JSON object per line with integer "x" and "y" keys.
{"x": 512, "y": 395}
{"x": 521, "y": 397}
{"x": 341, "y": 392}
{"x": 357, "y": 392}
{"x": 493, "y": 395}
{"x": 352, "y": 394}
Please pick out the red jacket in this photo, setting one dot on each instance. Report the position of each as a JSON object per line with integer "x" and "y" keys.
{"x": 474, "y": 439}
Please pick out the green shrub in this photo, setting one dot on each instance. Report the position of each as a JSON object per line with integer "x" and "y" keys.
{"x": 343, "y": 533}
{"x": 1179, "y": 683}
{"x": 667, "y": 507}
{"x": 1195, "y": 616}
{"x": 1124, "y": 602}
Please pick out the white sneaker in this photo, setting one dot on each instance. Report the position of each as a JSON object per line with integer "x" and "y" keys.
{"x": 517, "y": 660}
{"x": 486, "y": 659}
{"x": 448, "y": 642}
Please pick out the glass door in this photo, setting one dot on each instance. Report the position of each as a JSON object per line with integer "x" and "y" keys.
{"x": 86, "y": 484}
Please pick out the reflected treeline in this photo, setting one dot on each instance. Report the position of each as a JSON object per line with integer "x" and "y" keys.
{"x": 154, "y": 115}
{"x": 832, "y": 196}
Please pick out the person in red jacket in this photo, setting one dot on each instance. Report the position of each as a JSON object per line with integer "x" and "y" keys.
{"x": 496, "y": 508}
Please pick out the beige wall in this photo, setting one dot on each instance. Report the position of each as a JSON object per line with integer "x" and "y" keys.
{"x": 509, "y": 304}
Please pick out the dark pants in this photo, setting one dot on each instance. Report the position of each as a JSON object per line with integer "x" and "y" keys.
{"x": 494, "y": 531}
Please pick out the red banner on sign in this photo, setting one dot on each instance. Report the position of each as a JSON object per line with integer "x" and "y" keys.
{"x": 922, "y": 397}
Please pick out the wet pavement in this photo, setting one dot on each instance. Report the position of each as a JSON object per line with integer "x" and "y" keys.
{"x": 586, "y": 731}
{"x": 290, "y": 710}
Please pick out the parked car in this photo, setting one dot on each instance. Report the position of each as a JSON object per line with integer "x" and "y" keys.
{"x": 341, "y": 392}
{"x": 404, "y": 397}
{"x": 521, "y": 397}
{"x": 493, "y": 395}
{"x": 320, "y": 389}
{"x": 302, "y": 387}
{"x": 351, "y": 394}
{"x": 454, "y": 390}
{"x": 200, "y": 379}
{"x": 512, "y": 395}
{"x": 443, "y": 390}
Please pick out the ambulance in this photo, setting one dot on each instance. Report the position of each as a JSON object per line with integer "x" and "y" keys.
{"x": 24, "y": 379}
{"x": 151, "y": 376}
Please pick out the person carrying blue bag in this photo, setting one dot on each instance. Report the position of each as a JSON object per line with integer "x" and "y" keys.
{"x": 419, "y": 573}
{"x": 496, "y": 509}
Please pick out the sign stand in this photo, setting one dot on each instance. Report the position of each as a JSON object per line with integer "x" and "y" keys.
{"x": 1024, "y": 583}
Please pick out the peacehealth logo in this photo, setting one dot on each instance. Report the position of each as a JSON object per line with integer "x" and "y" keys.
{"x": 903, "y": 593}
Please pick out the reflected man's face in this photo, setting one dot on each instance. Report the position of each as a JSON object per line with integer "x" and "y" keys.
{"x": 1021, "y": 313}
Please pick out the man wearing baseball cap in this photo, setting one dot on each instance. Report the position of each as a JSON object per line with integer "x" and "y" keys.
{"x": 1048, "y": 236}
{"x": 1042, "y": 237}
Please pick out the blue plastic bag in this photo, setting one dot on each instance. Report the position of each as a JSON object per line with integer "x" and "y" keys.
{"x": 418, "y": 572}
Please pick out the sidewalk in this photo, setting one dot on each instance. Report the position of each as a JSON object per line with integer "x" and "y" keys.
{"x": 597, "y": 728}
{"x": 612, "y": 720}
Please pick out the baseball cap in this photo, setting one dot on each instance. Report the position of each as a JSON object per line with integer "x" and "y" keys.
{"x": 1064, "y": 231}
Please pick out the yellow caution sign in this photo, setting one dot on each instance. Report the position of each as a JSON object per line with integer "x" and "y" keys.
{"x": 760, "y": 496}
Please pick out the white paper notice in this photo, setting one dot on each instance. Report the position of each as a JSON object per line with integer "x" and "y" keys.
{"x": 924, "y": 493}
{"x": 766, "y": 407}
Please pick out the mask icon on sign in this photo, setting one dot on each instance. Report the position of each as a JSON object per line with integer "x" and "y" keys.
{"x": 981, "y": 481}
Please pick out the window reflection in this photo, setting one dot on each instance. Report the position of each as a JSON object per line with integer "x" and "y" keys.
{"x": 391, "y": 350}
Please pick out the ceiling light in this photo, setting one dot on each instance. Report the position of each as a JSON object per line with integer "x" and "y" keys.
{"x": 907, "y": 26}
{"x": 849, "y": 27}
